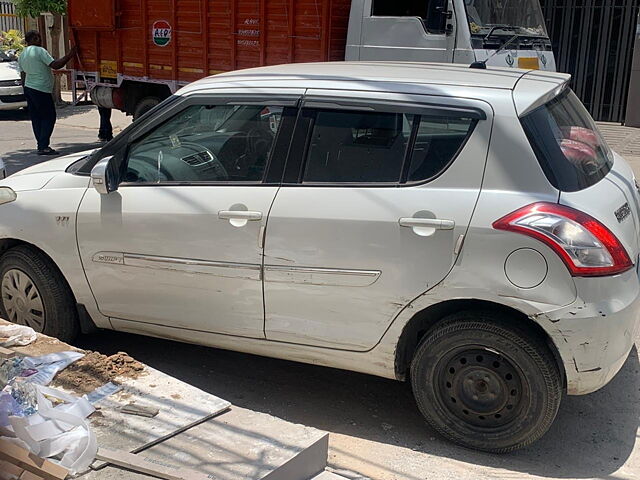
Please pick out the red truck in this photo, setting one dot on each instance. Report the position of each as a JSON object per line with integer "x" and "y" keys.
{"x": 135, "y": 53}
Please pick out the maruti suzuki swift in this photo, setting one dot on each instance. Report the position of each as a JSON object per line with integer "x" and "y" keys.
{"x": 466, "y": 230}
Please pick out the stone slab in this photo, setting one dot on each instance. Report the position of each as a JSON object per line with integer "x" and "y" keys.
{"x": 179, "y": 405}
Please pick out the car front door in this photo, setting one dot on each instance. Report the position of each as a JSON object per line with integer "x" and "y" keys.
{"x": 377, "y": 195}
{"x": 179, "y": 243}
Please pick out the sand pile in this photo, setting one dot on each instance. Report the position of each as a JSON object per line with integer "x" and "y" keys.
{"x": 95, "y": 369}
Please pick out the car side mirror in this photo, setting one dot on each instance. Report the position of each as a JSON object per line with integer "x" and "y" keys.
{"x": 104, "y": 176}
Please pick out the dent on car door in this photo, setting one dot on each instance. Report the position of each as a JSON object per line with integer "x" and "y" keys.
{"x": 177, "y": 245}
{"x": 375, "y": 199}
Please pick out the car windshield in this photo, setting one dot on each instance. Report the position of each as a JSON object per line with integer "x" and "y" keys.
{"x": 521, "y": 17}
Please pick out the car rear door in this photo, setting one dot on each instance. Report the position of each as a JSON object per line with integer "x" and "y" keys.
{"x": 377, "y": 196}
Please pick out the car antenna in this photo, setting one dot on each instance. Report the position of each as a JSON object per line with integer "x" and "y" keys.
{"x": 482, "y": 64}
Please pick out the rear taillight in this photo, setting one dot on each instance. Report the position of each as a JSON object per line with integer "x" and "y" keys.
{"x": 587, "y": 247}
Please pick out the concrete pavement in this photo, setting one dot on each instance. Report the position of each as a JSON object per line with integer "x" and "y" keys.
{"x": 375, "y": 427}
{"x": 624, "y": 140}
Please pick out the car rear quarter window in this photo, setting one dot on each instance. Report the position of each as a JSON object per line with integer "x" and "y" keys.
{"x": 438, "y": 141}
{"x": 567, "y": 143}
{"x": 381, "y": 147}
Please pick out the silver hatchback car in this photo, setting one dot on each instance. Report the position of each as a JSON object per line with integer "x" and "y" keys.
{"x": 466, "y": 229}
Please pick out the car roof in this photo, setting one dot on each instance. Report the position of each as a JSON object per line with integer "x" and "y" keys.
{"x": 389, "y": 72}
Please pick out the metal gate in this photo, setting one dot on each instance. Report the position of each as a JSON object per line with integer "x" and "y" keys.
{"x": 8, "y": 18}
{"x": 593, "y": 40}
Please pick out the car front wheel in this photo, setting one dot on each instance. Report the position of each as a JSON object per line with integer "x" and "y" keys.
{"x": 34, "y": 293}
{"x": 484, "y": 383}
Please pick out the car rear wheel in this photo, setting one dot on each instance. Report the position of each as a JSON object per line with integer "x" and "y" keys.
{"x": 34, "y": 293}
{"x": 484, "y": 383}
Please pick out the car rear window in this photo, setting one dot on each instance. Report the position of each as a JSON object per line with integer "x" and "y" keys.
{"x": 567, "y": 143}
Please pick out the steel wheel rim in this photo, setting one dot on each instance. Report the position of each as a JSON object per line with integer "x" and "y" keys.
{"x": 481, "y": 387}
{"x": 21, "y": 299}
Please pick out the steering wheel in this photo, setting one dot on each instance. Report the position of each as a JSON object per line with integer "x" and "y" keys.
{"x": 244, "y": 150}
{"x": 259, "y": 139}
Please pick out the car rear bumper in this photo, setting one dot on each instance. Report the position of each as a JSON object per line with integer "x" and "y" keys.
{"x": 595, "y": 334}
{"x": 12, "y": 106}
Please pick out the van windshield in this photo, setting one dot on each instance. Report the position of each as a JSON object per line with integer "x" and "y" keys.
{"x": 521, "y": 17}
{"x": 567, "y": 143}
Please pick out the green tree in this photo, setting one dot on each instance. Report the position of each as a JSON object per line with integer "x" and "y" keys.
{"x": 34, "y": 8}
{"x": 11, "y": 40}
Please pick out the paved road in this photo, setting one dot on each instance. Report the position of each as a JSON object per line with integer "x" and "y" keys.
{"x": 375, "y": 427}
{"x": 76, "y": 130}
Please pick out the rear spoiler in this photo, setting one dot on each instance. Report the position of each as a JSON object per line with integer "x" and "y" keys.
{"x": 536, "y": 88}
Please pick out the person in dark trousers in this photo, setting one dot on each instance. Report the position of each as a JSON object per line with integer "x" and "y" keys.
{"x": 105, "y": 134}
{"x": 37, "y": 78}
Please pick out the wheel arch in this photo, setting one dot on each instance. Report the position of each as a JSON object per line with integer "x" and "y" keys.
{"x": 135, "y": 91}
{"x": 87, "y": 324}
{"x": 8, "y": 243}
{"x": 425, "y": 320}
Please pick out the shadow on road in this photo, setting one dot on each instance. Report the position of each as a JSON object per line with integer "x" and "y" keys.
{"x": 14, "y": 115}
{"x": 593, "y": 435}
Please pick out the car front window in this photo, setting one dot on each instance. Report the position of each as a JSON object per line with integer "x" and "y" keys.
{"x": 206, "y": 143}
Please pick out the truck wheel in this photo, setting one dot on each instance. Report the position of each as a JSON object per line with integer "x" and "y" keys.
{"x": 34, "y": 293}
{"x": 485, "y": 384}
{"x": 144, "y": 105}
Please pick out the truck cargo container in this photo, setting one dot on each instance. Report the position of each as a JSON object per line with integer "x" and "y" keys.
{"x": 135, "y": 53}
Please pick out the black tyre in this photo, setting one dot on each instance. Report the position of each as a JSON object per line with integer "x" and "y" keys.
{"x": 144, "y": 105}
{"x": 486, "y": 384}
{"x": 34, "y": 293}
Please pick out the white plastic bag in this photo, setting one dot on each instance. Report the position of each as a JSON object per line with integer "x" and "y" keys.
{"x": 49, "y": 365}
{"x": 16, "y": 335}
{"x": 61, "y": 431}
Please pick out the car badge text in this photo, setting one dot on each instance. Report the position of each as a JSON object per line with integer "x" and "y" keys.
{"x": 623, "y": 212}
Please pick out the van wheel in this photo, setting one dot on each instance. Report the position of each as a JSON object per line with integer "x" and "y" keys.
{"x": 144, "y": 105}
{"x": 485, "y": 384}
{"x": 34, "y": 293}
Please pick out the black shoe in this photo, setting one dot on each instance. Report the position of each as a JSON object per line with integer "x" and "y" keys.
{"x": 105, "y": 139}
{"x": 47, "y": 151}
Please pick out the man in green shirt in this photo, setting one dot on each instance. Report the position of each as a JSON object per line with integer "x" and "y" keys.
{"x": 35, "y": 67}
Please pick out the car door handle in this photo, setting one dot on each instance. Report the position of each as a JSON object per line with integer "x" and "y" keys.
{"x": 239, "y": 215}
{"x": 435, "y": 223}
